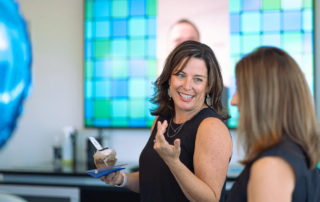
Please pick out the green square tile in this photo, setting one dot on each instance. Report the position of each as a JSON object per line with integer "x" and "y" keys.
{"x": 137, "y": 108}
{"x": 88, "y": 122}
{"x": 271, "y": 4}
{"x": 119, "y": 68}
{"x": 88, "y": 69}
{"x": 307, "y": 4}
{"x": 235, "y": 45}
{"x": 89, "y": 10}
{"x": 292, "y": 42}
{"x": 250, "y": 43}
{"x": 88, "y": 88}
{"x": 137, "y": 83}
{"x": 150, "y": 122}
{"x": 119, "y": 48}
{"x": 119, "y": 108}
{"x": 137, "y": 48}
{"x": 101, "y": 108}
{"x": 235, "y": 6}
{"x": 101, "y": 49}
{"x": 151, "y": 7}
{"x": 119, "y": 123}
{"x": 152, "y": 68}
{"x": 119, "y": 9}
{"x": 137, "y": 27}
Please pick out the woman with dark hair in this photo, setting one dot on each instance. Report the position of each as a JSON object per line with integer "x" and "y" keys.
{"x": 278, "y": 128}
{"x": 188, "y": 152}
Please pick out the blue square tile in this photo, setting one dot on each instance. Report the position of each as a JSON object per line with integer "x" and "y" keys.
{"x": 137, "y": 67}
{"x": 102, "y": 68}
{"x": 88, "y": 50}
{"x": 291, "y": 20}
{"x": 271, "y": 40}
{"x": 102, "y": 29}
{"x": 271, "y": 21}
{"x": 119, "y": 88}
{"x": 137, "y": 87}
{"x": 251, "y": 22}
{"x": 88, "y": 89}
{"x": 307, "y": 20}
{"x": 119, "y": 47}
{"x": 101, "y": 9}
{"x": 152, "y": 26}
{"x": 119, "y": 28}
{"x": 137, "y": 7}
{"x": 102, "y": 123}
{"x": 137, "y": 123}
{"x": 308, "y": 42}
{"x": 151, "y": 48}
{"x": 119, "y": 108}
{"x": 102, "y": 89}
{"x": 137, "y": 26}
{"x": 251, "y": 5}
{"x": 88, "y": 113}
{"x": 88, "y": 30}
{"x": 235, "y": 23}
{"x": 291, "y": 4}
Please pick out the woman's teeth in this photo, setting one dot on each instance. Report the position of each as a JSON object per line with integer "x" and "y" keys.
{"x": 187, "y": 97}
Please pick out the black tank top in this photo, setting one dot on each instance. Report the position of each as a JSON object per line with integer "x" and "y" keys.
{"x": 157, "y": 183}
{"x": 307, "y": 185}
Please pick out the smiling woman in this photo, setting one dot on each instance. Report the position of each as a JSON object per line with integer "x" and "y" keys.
{"x": 187, "y": 155}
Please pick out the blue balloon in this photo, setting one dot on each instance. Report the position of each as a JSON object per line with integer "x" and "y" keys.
{"x": 15, "y": 67}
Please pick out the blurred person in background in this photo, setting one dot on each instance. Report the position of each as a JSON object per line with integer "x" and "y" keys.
{"x": 278, "y": 129}
{"x": 187, "y": 155}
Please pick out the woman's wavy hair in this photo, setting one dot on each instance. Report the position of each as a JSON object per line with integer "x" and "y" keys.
{"x": 274, "y": 99}
{"x": 183, "y": 52}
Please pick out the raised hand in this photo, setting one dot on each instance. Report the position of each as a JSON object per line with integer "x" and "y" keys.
{"x": 169, "y": 153}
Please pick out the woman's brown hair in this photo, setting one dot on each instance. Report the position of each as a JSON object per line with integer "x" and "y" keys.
{"x": 274, "y": 99}
{"x": 183, "y": 52}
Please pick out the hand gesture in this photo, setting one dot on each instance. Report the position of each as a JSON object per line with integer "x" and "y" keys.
{"x": 113, "y": 178}
{"x": 169, "y": 153}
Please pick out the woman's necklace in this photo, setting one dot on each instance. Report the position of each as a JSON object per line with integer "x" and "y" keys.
{"x": 177, "y": 130}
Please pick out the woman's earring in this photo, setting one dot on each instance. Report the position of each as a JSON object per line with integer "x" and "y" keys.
{"x": 208, "y": 101}
{"x": 169, "y": 94}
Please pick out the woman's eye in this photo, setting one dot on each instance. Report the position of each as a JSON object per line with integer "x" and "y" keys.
{"x": 197, "y": 79}
{"x": 181, "y": 75}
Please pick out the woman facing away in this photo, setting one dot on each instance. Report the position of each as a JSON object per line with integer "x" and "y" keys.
{"x": 278, "y": 129}
{"x": 187, "y": 155}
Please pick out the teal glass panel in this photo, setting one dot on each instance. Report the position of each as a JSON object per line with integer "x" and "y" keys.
{"x": 119, "y": 47}
{"x": 292, "y": 42}
{"x": 120, "y": 9}
{"x": 119, "y": 68}
{"x": 250, "y": 42}
{"x": 251, "y": 22}
{"x": 137, "y": 88}
{"x": 137, "y": 27}
{"x": 235, "y": 44}
{"x": 291, "y": 4}
{"x": 137, "y": 48}
{"x": 235, "y": 6}
{"x": 137, "y": 108}
{"x": 307, "y": 20}
{"x": 119, "y": 108}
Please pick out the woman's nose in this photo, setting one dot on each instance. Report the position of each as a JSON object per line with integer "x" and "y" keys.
{"x": 187, "y": 84}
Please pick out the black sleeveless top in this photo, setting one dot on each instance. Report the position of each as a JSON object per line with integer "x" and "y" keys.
{"x": 157, "y": 183}
{"x": 307, "y": 185}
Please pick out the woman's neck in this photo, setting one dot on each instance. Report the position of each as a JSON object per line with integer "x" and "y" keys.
{"x": 183, "y": 116}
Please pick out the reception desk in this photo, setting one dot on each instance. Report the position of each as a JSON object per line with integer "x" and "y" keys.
{"x": 46, "y": 182}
